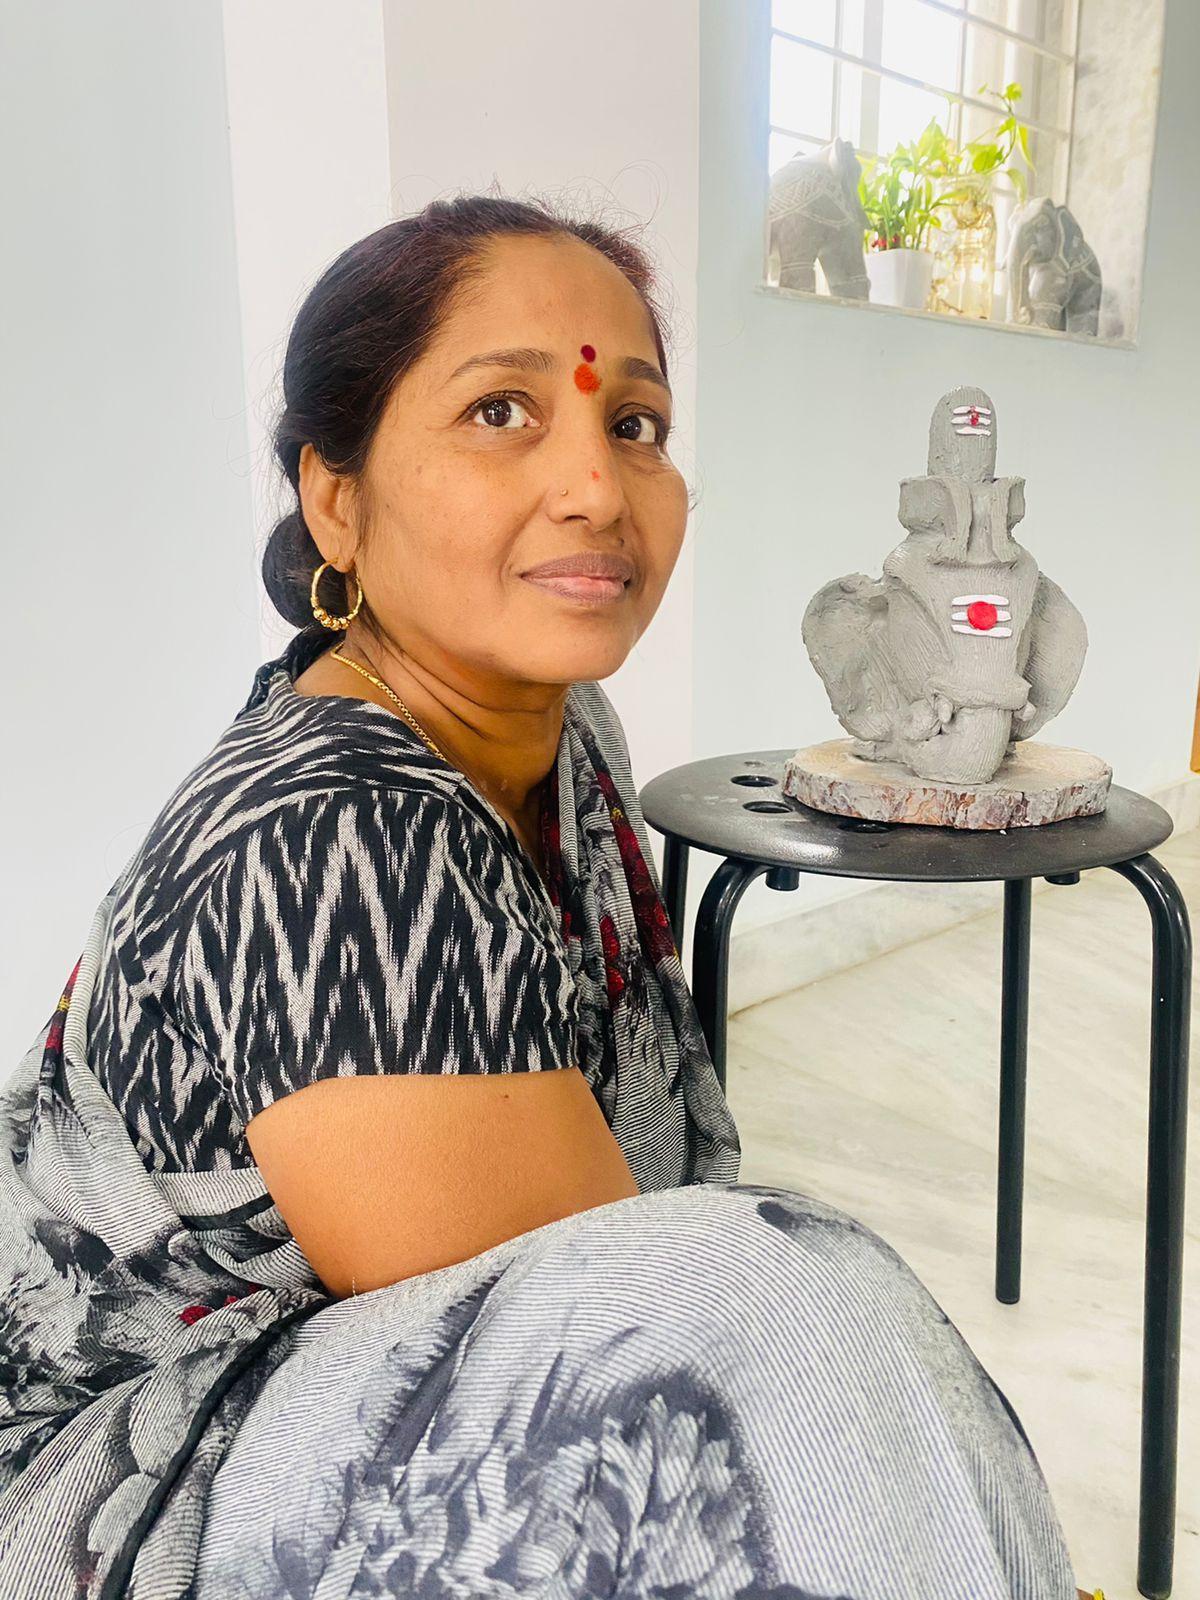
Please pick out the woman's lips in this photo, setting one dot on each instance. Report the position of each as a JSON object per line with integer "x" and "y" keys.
{"x": 577, "y": 587}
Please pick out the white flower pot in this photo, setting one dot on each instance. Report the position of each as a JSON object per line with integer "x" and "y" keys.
{"x": 900, "y": 277}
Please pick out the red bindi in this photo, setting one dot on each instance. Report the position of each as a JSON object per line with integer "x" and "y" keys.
{"x": 588, "y": 352}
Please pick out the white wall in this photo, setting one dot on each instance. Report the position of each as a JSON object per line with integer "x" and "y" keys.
{"x": 810, "y": 415}
{"x": 597, "y": 105}
{"x": 131, "y": 631}
{"x": 309, "y": 154}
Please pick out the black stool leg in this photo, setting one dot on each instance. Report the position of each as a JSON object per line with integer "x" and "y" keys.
{"x": 675, "y": 865}
{"x": 1169, "y": 1029}
{"x": 710, "y": 951}
{"x": 1014, "y": 1038}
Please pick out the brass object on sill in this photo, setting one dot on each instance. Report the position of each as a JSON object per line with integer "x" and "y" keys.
{"x": 964, "y": 273}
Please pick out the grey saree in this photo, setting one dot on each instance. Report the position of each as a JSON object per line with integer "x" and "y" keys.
{"x": 711, "y": 1388}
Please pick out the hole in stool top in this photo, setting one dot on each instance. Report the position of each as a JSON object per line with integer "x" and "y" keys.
{"x": 864, "y": 825}
{"x": 755, "y": 780}
{"x": 765, "y": 805}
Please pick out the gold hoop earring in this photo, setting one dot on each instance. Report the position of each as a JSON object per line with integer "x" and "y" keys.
{"x": 319, "y": 611}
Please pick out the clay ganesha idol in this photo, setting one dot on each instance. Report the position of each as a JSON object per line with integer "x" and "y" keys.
{"x": 963, "y": 647}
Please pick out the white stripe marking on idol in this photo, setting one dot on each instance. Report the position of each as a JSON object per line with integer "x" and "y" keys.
{"x": 982, "y": 633}
{"x": 993, "y": 599}
{"x": 972, "y": 419}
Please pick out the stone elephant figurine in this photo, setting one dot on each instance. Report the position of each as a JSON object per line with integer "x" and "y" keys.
{"x": 815, "y": 215}
{"x": 1053, "y": 274}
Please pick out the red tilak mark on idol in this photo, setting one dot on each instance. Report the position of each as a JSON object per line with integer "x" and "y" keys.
{"x": 981, "y": 614}
{"x": 588, "y": 352}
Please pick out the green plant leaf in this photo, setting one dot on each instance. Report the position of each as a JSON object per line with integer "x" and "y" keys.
{"x": 1013, "y": 91}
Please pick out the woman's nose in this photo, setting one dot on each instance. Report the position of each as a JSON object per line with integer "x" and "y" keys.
{"x": 592, "y": 485}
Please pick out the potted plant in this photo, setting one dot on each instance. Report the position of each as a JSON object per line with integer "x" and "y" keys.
{"x": 901, "y": 195}
{"x": 965, "y": 270}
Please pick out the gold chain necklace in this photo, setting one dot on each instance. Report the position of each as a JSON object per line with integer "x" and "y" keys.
{"x": 405, "y": 713}
{"x": 392, "y": 695}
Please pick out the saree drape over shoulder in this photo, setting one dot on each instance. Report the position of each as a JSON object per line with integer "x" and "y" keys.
{"x": 707, "y": 1389}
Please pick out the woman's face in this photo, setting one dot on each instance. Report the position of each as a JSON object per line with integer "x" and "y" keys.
{"x": 467, "y": 468}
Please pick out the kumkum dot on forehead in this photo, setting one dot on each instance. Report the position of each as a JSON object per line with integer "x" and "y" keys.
{"x": 587, "y": 380}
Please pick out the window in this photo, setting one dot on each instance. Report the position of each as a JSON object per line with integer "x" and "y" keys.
{"x": 875, "y": 72}
{"x": 886, "y": 65}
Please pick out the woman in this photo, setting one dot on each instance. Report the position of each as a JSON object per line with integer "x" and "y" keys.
{"x": 370, "y": 1203}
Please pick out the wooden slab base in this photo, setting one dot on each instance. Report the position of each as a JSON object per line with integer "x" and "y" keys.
{"x": 1035, "y": 783}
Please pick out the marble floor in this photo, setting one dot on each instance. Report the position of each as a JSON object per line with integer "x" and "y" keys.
{"x": 898, "y": 1127}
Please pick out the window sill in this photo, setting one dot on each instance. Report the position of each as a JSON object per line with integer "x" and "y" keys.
{"x": 942, "y": 317}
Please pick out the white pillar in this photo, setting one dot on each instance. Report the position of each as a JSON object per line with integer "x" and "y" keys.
{"x": 308, "y": 139}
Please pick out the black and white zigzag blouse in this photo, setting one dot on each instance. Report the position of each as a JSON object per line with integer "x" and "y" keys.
{"x": 322, "y": 896}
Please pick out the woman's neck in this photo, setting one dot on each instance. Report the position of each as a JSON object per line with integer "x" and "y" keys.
{"x": 506, "y": 754}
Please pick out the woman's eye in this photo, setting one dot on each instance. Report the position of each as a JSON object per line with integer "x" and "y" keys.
{"x": 497, "y": 413}
{"x": 657, "y": 428}
{"x": 498, "y": 407}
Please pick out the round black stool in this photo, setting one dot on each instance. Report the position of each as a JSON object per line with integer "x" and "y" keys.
{"x": 733, "y": 806}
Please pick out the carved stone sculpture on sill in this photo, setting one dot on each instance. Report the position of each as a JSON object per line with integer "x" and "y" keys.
{"x": 946, "y": 665}
{"x": 815, "y": 215}
{"x": 1053, "y": 273}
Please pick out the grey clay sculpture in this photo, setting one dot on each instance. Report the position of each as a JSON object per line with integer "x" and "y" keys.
{"x": 962, "y": 647}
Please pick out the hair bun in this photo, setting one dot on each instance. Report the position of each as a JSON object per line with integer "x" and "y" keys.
{"x": 289, "y": 561}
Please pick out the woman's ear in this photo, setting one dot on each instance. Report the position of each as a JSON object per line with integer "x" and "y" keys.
{"x": 326, "y": 499}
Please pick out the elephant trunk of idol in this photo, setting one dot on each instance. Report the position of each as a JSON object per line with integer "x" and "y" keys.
{"x": 1019, "y": 262}
{"x": 967, "y": 750}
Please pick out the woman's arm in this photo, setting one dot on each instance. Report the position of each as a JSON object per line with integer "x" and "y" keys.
{"x": 382, "y": 1177}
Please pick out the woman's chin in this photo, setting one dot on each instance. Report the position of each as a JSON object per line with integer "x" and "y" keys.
{"x": 575, "y": 660}
{"x": 561, "y": 641}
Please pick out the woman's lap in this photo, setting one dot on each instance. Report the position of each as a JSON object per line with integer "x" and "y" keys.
{"x": 737, "y": 1389}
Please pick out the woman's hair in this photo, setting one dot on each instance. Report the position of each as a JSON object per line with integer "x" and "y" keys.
{"x": 370, "y": 316}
